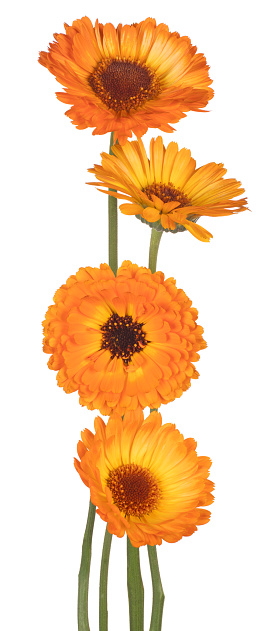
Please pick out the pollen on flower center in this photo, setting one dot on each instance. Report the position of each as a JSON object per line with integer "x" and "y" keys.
{"x": 123, "y": 85}
{"x": 123, "y": 337}
{"x": 167, "y": 193}
{"x": 134, "y": 489}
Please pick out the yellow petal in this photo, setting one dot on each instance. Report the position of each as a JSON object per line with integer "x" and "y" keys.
{"x": 198, "y": 231}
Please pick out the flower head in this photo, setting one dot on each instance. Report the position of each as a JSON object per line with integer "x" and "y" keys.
{"x": 167, "y": 191}
{"x": 129, "y": 78}
{"x": 145, "y": 478}
{"x": 123, "y": 342}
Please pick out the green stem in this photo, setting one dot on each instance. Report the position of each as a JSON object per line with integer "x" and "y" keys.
{"x": 83, "y": 576}
{"x": 112, "y": 226}
{"x": 152, "y": 260}
{"x": 103, "y": 603}
{"x": 135, "y": 589}
{"x": 158, "y": 594}
{"x": 153, "y": 249}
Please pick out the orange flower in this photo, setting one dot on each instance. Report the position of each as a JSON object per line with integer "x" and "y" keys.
{"x": 123, "y": 342}
{"x": 167, "y": 191}
{"x": 129, "y": 78}
{"x": 145, "y": 478}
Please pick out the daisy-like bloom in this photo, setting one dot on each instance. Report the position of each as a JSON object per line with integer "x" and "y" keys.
{"x": 123, "y": 342}
{"x": 167, "y": 191}
{"x": 145, "y": 478}
{"x": 129, "y": 78}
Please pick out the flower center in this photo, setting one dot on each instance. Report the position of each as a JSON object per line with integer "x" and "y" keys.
{"x": 123, "y": 85}
{"x": 123, "y": 337}
{"x": 134, "y": 489}
{"x": 167, "y": 193}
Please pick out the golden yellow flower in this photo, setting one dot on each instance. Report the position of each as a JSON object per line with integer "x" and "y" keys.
{"x": 145, "y": 478}
{"x": 167, "y": 191}
{"x": 123, "y": 342}
{"x": 129, "y": 78}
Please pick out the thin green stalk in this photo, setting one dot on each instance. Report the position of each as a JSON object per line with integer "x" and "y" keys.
{"x": 103, "y": 603}
{"x": 112, "y": 226}
{"x": 153, "y": 249}
{"x": 158, "y": 594}
{"x": 152, "y": 261}
{"x": 83, "y": 576}
{"x": 135, "y": 589}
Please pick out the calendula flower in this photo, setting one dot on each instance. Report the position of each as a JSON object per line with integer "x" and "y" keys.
{"x": 145, "y": 478}
{"x": 167, "y": 191}
{"x": 129, "y": 78}
{"x": 123, "y": 342}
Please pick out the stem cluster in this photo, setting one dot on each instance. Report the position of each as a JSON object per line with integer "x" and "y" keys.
{"x": 134, "y": 579}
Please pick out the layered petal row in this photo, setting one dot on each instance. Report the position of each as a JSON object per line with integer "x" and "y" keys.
{"x": 127, "y": 79}
{"x": 145, "y": 478}
{"x": 165, "y": 189}
{"x": 124, "y": 342}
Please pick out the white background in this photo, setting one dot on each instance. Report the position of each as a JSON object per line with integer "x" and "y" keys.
{"x": 53, "y": 224}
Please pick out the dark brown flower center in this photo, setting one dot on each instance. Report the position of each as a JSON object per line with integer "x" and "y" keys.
{"x": 134, "y": 489}
{"x": 123, "y": 85}
{"x": 123, "y": 337}
{"x": 167, "y": 193}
